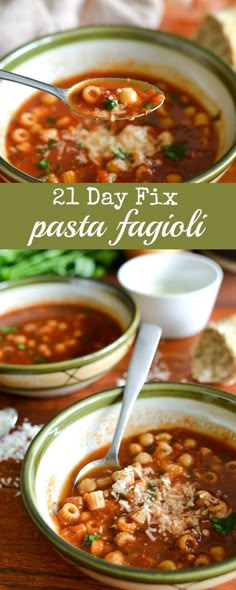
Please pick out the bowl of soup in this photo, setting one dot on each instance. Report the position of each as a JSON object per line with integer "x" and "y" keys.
{"x": 190, "y": 138}
{"x": 57, "y": 334}
{"x": 166, "y": 518}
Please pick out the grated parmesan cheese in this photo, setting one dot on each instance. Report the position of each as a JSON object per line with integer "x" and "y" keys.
{"x": 101, "y": 143}
{"x": 15, "y": 444}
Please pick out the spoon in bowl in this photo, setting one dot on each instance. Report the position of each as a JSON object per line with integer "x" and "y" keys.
{"x": 101, "y": 98}
{"x": 144, "y": 350}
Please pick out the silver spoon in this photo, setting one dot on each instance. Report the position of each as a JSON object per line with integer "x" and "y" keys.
{"x": 68, "y": 95}
{"x": 8, "y": 419}
{"x": 144, "y": 350}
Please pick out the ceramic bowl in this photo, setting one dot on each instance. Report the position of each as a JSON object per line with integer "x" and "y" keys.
{"x": 68, "y": 53}
{"x": 90, "y": 423}
{"x": 51, "y": 379}
{"x": 175, "y": 290}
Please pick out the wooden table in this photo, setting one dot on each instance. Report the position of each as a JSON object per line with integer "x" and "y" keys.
{"x": 27, "y": 560}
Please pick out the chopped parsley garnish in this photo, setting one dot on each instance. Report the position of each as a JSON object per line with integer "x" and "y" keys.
{"x": 149, "y": 105}
{"x": 42, "y": 150}
{"x": 121, "y": 154}
{"x": 40, "y": 359}
{"x": 8, "y": 329}
{"x": 43, "y": 164}
{"x": 224, "y": 526}
{"x": 52, "y": 143}
{"x": 88, "y": 539}
{"x": 110, "y": 104}
{"x": 79, "y": 146}
{"x": 21, "y": 346}
{"x": 51, "y": 120}
{"x": 176, "y": 151}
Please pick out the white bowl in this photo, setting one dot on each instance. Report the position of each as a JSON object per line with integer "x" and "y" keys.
{"x": 90, "y": 423}
{"x": 177, "y": 291}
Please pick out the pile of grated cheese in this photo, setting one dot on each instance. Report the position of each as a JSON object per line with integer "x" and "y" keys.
{"x": 15, "y": 444}
{"x": 167, "y": 507}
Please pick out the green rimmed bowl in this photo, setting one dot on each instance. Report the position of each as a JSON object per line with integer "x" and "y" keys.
{"x": 62, "y": 378}
{"x": 87, "y": 424}
{"x": 68, "y": 53}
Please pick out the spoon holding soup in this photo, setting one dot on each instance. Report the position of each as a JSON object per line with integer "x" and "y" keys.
{"x": 143, "y": 353}
{"x": 101, "y": 98}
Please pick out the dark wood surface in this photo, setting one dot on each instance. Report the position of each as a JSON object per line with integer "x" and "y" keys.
{"x": 27, "y": 560}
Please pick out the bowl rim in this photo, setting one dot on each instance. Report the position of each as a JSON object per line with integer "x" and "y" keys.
{"x": 203, "y": 394}
{"x": 166, "y": 296}
{"x": 88, "y": 358}
{"x": 152, "y": 36}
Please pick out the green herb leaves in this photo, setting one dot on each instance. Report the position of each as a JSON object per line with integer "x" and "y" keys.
{"x": 43, "y": 164}
{"x": 110, "y": 104}
{"x": 175, "y": 151}
{"x": 121, "y": 154}
{"x": 224, "y": 526}
{"x": 88, "y": 539}
{"x": 8, "y": 329}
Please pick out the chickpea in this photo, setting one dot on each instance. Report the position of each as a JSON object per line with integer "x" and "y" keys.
{"x": 144, "y": 458}
{"x": 190, "y": 443}
{"x": 200, "y": 119}
{"x": 163, "y": 436}
{"x": 25, "y": 147}
{"x": 122, "y": 538}
{"x": 115, "y": 557}
{"x": 124, "y": 526}
{"x": 127, "y": 95}
{"x": 205, "y": 451}
{"x": 217, "y": 552}
{"x": 85, "y": 516}
{"x": 135, "y": 448}
{"x": 201, "y": 560}
{"x": 186, "y": 460}
{"x": 97, "y": 547}
{"x": 48, "y": 99}
{"x": 167, "y": 564}
{"x": 59, "y": 347}
{"x": 63, "y": 122}
{"x": 87, "y": 485}
{"x": 47, "y": 134}
{"x": 91, "y": 94}
{"x": 146, "y": 439}
{"x": 53, "y": 178}
{"x": 174, "y": 177}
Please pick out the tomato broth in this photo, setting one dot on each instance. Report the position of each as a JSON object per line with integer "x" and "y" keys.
{"x": 175, "y": 143}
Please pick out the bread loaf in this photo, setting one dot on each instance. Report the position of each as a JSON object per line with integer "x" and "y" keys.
{"x": 214, "y": 354}
{"x": 218, "y": 32}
